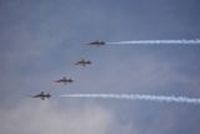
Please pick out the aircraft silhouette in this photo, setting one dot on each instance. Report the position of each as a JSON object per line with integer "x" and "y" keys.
{"x": 42, "y": 96}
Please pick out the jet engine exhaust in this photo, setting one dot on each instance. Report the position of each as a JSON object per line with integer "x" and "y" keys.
{"x": 154, "y": 98}
{"x": 134, "y": 42}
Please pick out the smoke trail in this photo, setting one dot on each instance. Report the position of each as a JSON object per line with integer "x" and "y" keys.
{"x": 168, "y": 99}
{"x": 183, "y": 41}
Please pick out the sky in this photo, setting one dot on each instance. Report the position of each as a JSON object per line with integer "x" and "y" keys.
{"x": 40, "y": 40}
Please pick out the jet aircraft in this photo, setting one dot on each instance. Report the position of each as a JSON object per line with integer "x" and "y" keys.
{"x": 83, "y": 62}
{"x": 42, "y": 96}
{"x": 97, "y": 43}
{"x": 64, "y": 80}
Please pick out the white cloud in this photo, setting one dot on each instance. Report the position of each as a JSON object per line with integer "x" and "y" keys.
{"x": 45, "y": 118}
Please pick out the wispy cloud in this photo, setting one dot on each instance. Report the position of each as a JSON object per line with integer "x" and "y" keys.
{"x": 46, "y": 118}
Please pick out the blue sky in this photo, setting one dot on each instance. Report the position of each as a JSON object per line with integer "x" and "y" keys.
{"x": 40, "y": 40}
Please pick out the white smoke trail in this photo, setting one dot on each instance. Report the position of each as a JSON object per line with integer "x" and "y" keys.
{"x": 183, "y": 41}
{"x": 169, "y": 99}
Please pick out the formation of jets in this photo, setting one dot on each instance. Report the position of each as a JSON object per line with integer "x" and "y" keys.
{"x": 42, "y": 95}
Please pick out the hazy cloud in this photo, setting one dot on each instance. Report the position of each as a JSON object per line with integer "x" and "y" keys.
{"x": 45, "y": 118}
